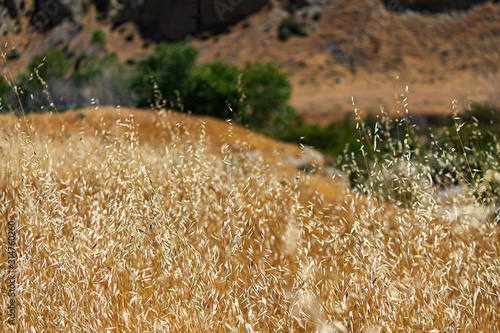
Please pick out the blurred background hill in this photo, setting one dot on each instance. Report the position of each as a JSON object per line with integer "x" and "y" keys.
{"x": 333, "y": 50}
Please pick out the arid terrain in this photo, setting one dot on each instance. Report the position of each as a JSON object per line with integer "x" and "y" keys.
{"x": 440, "y": 57}
{"x": 357, "y": 49}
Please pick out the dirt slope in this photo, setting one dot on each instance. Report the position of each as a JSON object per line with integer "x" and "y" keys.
{"x": 358, "y": 48}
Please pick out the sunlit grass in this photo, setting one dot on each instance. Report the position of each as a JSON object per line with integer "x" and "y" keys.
{"x": 143, "y": 222}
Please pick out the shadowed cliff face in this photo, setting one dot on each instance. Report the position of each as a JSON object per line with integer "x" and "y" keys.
{"x": 157, "y": 19}
{"x": 434, "y": 6}
{"x": 50, "y": 13}
{"x": 9, "y": 10}
{"x": 174, "y": 19}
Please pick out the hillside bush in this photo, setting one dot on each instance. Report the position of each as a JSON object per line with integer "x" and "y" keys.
{"x": 6, "y": 98}
{"x": 290, "y": 26}
{"x": 89, "y": 69}
{"x": 3, "y": 87}
{"x": 99, "y": 37}
{"x": 211, "y": 89}
{"x": 331, "y": 139}
{"x": 168, "y": 67}
{"x": 53, "y": 63}
{"x": 50, "y": 66}
{"x": 260, "y": 100}
{"x": 93, "y": 78}
{"x": 102, "y": 78}
{"x": 267, "y": 92}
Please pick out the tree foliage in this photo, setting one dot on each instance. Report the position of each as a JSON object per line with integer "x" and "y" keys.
{"x": 212, "y": 89}
{"x": 53, "y": 63}
{"x": 267, "y": 91}
{"x": 168, "y": 67}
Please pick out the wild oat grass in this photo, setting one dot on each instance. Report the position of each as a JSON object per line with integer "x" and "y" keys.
{"x": 123, "y": 231}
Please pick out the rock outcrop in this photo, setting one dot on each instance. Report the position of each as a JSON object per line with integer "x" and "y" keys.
{"x": 432, "y": 5}
{"x": 10, "y": 10}
{"x": 15, "y": 7}
{"x": 174, "y": 19}
{"x": 50, "y": 13}
{"x": 171, "y": 20}
{"x": 216, "y": 15}
{"x": 156, "y": 19}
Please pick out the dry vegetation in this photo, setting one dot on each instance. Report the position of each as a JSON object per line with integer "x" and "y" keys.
{"x": 140, "y": 222}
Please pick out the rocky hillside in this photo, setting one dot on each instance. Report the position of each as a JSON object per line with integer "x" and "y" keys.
{"x": 366, "y": 49}
{"x": 371, "y": 51}
{"x": 171, "y": 20}
{"x": 174, "y": 19}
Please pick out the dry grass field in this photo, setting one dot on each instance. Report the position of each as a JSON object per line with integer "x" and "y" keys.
{"x": 134, "y": 221}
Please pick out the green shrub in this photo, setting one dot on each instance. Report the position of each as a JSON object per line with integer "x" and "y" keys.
{"x": 88, "y": 69}
{"x": 332, "y": 138}
{"x": 211, "y": 88}
{"x": 291, "y": 26}
{"x": 5, "y": 96}
{"x": 168, "y": 66}
{"x": 290, "y": 6}
{"x": 483, "y": 113}
{"x": 267, "y": 92}
{"x": 53, "y": 63}
{"x": 206, "y": 35}
{"x": 104, "y": 78}
{"x": 130, "y": 37}
{"x": 317, "y": 16}
{"x": 99, "y": 37}
{"x": 3, "y": 87}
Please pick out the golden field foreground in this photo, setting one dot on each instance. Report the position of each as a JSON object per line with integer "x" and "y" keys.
{"x": 134, "y": 221}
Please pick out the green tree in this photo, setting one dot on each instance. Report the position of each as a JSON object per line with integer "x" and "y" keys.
{"x": 267, "y": 91}
{"x": 214, "y": 87}
{"x": 211, "y": 88}
{"x": 168, "y": 66}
